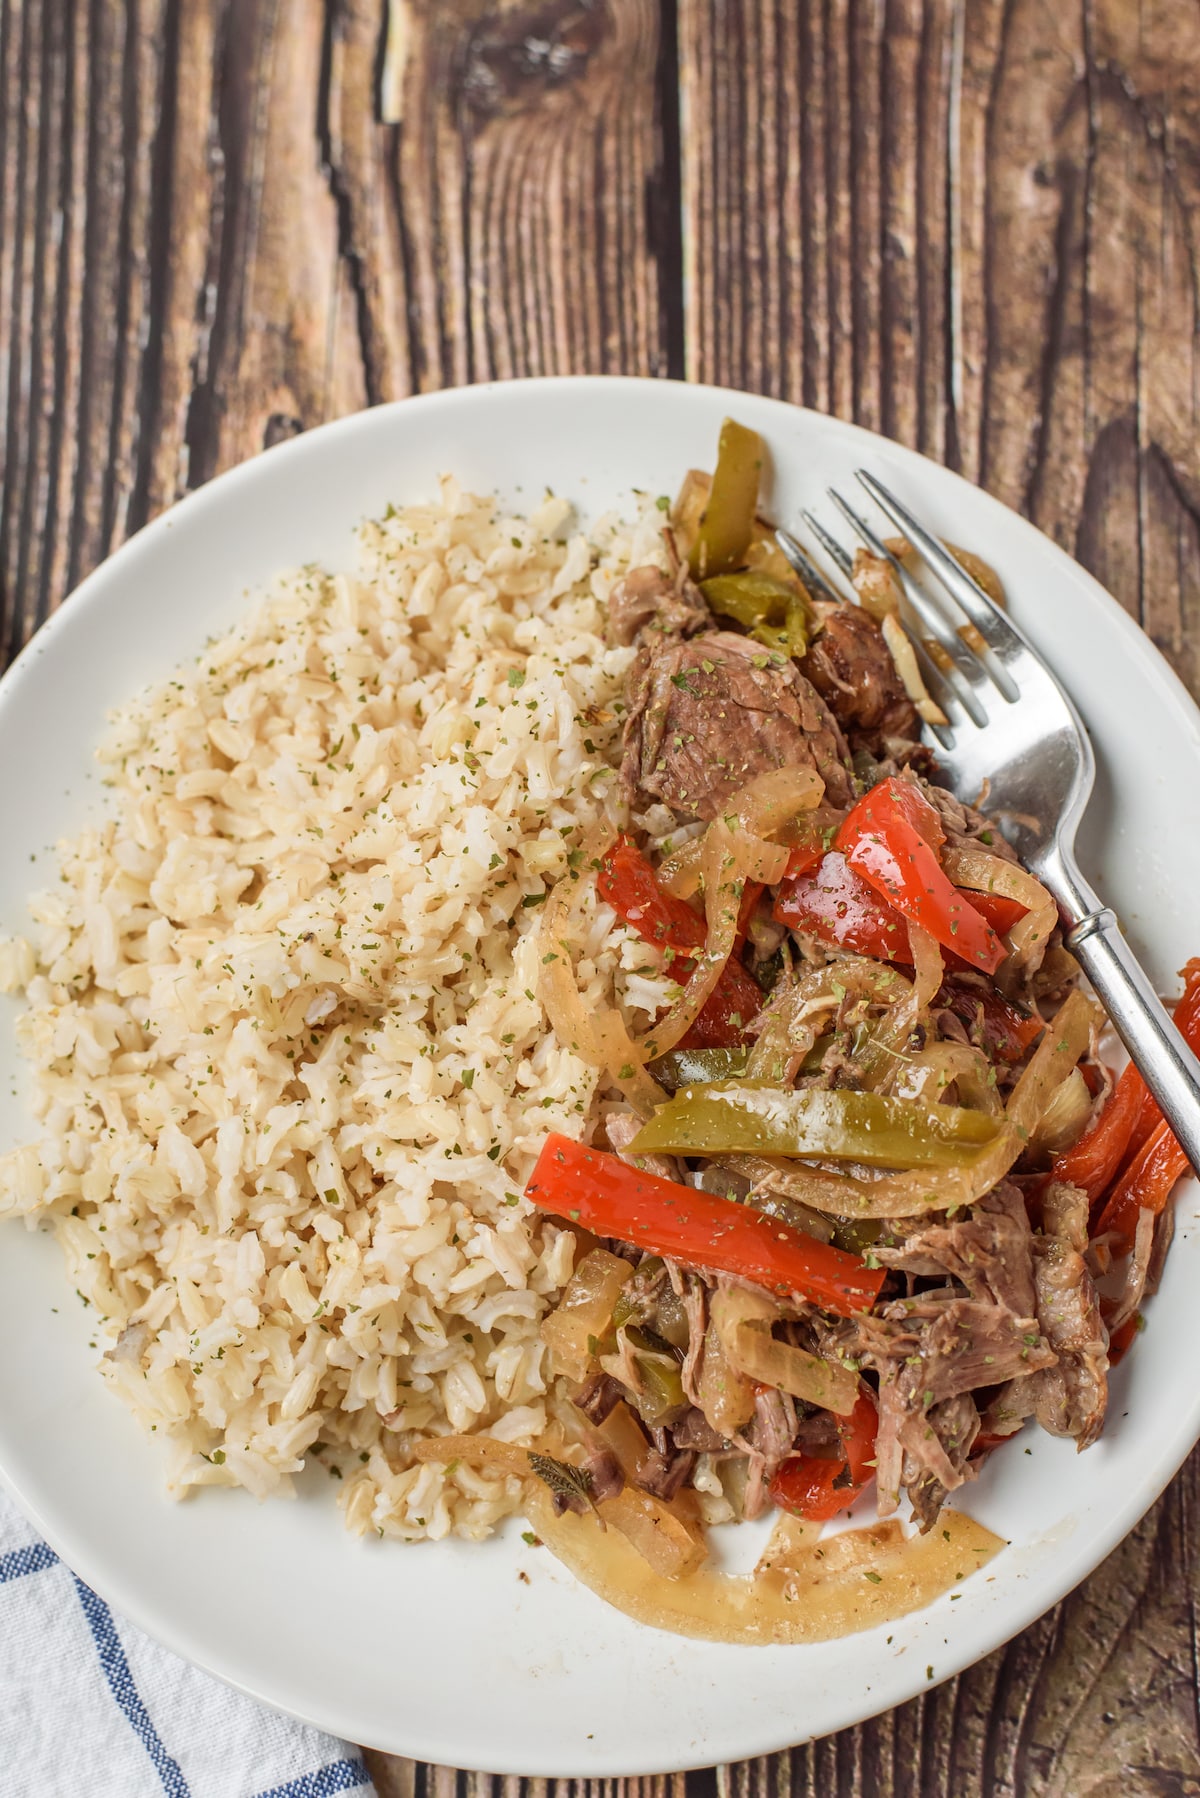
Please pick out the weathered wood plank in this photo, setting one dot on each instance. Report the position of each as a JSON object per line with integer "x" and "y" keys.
{"x": 990, "y": 212}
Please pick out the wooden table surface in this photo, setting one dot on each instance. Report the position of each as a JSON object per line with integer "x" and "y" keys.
{"x": 971, "y": 224}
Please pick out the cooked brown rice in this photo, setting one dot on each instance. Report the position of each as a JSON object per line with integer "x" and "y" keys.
{"x": 289, "y": 1064}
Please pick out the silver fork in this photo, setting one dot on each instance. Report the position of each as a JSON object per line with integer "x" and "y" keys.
{"x": 1014, "y": 734}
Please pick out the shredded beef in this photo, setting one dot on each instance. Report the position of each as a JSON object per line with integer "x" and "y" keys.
{"x": 990, "y": 1251}
{"x": 707, "y": 715}
{"x": 621, "y": 1127}
{"x": 1068, "y": 1398}
{"x": 648, "y": 601}
{"x": 928, "y": 1349}
{"x": 965, "y": 827}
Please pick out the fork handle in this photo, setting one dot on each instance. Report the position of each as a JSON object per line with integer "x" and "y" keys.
{"x": 1167, "y": 1065}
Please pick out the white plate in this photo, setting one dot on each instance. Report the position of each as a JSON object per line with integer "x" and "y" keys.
{"x": 442, "y": 1652}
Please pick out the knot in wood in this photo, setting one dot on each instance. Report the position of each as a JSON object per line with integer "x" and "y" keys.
{"x": 514, "y": 58}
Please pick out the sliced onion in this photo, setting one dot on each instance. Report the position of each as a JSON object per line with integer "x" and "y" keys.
{"x": 905, "y": 658}
{"x": 978, "y": 872}
{"x": 726, "y": 862}
{"x": 585, "y": 1309}
{"x": 477, "y": 1451}
{"x": 1066, "y": 1113}
{"x": 888, "y": 1196}
{"x": 762, "y": 808}
{"x": 622, "y": 1433}
{"x": 601, "y": 1038}
{"x": 726, "y": 1396}
{"x": 1064, "y": 1040}
{"x": 669, "y": 1546}
{"x": 880, "y": 1061}
{"x": 743, "y": 1321}
{"x": 788, "y": 1031}
{"x": 928, "y": 1072}
{"x": 808, "y": 1590}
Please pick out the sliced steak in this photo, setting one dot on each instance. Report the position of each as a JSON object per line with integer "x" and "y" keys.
{"x": 851, "y": 667}
{"x": 648, "y": 601}
{"x": 707, "y": 715}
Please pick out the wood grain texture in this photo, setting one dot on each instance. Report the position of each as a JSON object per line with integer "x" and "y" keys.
{"x": 970, "y": 223}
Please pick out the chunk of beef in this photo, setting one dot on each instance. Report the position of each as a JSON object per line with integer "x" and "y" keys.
{"x": 695, "y": 1432}
{"x": 663, "y": 1474}
{"x": 597, "y": 1397}
{"x": 648, "y": 601}
{"x": 851, "y": 667}
{"x": 605, "y": 1476}
{"x": 990, "y": 1250}
{"x": 927, "y": 1350}
{"x": 707, "y": 715}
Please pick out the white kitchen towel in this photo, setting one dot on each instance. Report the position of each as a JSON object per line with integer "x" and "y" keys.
{"x": 92, "y": 1708}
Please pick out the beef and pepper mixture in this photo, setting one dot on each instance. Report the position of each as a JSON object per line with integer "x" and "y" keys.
{"x": 866, "y": 1198}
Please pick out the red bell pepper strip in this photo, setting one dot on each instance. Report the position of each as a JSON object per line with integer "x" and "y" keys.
{"x": 1005, "y": 1030}
{"x": 895, "y": 855}
{"x": 610, "y": 1198}
{"x": 831, "y": 901}
{"x": 627, "y": 881}
{"x": 987, "y": 1440}
{"x": 1146, "y": 1183}
{"x": 996, "y": 910}
{"x": 815, "y": 1489}
{"x": 1131, "y": 1117}
{"x": 722, "y": 1022}
{"x": 1092, "y": 1162}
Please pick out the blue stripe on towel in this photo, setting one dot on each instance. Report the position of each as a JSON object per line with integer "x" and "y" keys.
{"x": 120, "y": 1684}
{"x": 338, "y": 1776}
{"x": 26, "y": 1560}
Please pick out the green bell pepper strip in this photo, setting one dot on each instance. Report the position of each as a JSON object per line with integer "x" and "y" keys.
{"x": 606, "y": 1195}
{"x": 696, "y": 1067}
{"x": 758, "y": 1118}
{"x": 727, "y": 522}
{"x": 774, "y": 614}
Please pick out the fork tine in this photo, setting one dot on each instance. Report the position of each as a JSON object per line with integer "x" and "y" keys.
{"x": 956, "y": 657}
{"x": 808, "y": 571}
{"x": 983, "y": 611}
{"x": 833, "y": 549}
